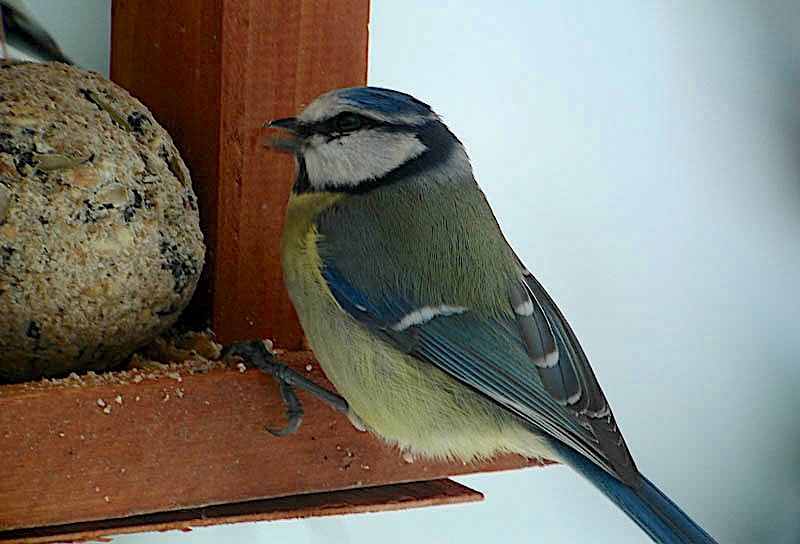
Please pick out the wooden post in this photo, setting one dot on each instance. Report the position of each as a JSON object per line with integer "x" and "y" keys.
{"x": 213, "y": 72}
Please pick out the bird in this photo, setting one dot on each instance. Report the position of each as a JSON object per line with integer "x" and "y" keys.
{"x": 434, "y": 334}
{"x": 22, "y": 31}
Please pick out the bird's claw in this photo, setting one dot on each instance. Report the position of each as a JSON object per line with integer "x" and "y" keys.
{"x": 257, "y": 354}
{"x": 294, "y": 411}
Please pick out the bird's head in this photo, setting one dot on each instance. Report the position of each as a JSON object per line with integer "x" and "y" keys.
{"x": 358, "y": 138}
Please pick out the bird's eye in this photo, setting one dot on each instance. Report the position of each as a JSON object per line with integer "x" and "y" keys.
{"x": 347, "y": 122}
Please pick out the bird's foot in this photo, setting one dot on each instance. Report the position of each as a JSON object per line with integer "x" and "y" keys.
{"x": 257, "y": 354}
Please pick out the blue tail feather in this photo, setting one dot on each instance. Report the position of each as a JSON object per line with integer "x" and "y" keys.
{"x": 653, "y": 511}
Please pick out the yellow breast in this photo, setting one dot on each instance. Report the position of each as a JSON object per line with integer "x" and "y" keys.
{"x": 407, "y": 402}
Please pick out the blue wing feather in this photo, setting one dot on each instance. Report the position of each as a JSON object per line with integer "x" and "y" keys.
{"x": 486, "y": 354}
{"x": 489, "y": 355}
{"x": 354, "y": 301}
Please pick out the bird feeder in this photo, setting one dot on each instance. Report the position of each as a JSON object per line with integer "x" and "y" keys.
{"x": 187, "y": 446}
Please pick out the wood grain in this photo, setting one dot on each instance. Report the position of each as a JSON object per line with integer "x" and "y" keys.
{"x": 213, "y": 72}
{"x": 120, "y": 445}
{"x": 371, "y": 499}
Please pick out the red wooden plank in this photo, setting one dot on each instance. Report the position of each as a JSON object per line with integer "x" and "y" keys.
{"x": 130, "y": 443}
{"x": 370, "y": 499}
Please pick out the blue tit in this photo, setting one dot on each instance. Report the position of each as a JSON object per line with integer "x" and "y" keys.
{"x": 422, "y": 316}
{"x": 22, "y": 31}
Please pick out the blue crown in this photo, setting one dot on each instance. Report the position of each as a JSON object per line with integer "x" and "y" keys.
{"x": 384, "y": 100}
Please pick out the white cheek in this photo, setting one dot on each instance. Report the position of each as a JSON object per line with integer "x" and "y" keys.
{"x": 349, "y": 160}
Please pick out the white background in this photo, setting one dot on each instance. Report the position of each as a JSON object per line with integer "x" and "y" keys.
{"x": 643, "y": 159}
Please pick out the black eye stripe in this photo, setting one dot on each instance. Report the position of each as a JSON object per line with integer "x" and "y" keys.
{"x": 348, "y": 122}
{"x": 343, "y": 123}
{"x": 438, "y": 141}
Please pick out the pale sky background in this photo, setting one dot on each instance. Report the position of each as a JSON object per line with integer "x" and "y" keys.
{"x": 642, "y": 157}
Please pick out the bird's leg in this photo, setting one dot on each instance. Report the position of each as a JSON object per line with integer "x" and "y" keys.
{"x": 260, "y": 357}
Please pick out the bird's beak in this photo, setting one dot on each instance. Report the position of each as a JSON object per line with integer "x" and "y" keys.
{"x": 289, "y": 124}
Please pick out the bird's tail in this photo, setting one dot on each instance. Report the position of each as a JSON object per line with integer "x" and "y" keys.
{"x": 653, "y": 511}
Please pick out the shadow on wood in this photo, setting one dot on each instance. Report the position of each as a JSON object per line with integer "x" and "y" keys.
{"x": 372, "y": 499}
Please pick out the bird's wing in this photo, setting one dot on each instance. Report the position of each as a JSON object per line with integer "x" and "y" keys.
{"x": 526, "y": 360}
{"x": 26, "y": 34}
{"x": 571, "y": 379}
